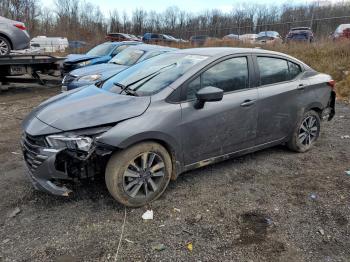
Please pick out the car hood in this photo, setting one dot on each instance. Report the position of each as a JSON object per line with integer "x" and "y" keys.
{"x": 83, "y": 108}
{"x": 74, "y": 58}
{"x": 103, "y": 69}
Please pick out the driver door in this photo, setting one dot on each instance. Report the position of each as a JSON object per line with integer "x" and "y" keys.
{"x": 225, "y": 126}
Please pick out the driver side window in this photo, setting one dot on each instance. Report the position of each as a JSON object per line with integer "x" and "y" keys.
{"x": 229, "y": 75}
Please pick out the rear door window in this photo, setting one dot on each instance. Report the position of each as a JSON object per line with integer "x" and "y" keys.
{"x": 294, "y": 70}
{"x": 272, "y": 70}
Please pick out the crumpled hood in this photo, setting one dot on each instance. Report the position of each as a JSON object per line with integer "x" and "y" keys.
{"x": 102, "y": 69}
{"x": 74, "y": 58}
{"x": 85, "y": 107}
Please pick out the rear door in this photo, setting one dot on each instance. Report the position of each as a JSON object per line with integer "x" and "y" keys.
{"x": 225, "y": 126}
{"x": 280, "y": 90}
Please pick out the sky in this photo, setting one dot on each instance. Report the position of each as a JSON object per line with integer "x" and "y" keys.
{"x": 188, "y": 5}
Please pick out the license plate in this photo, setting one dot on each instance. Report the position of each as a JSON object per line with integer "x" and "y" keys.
{"x": 18, "y": 70}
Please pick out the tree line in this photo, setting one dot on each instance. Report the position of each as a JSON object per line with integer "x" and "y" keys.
{"x": 80, "y": 20}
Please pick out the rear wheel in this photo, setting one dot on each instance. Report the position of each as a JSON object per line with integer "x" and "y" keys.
{"x": 139, "y": 174}
{"x": 5, "y": 46}
{"x": 306, "y": 132}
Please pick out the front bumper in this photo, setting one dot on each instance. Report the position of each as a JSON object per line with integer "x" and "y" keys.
{"x": 41, "y": 170}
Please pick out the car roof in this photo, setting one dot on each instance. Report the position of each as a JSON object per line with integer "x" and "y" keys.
{"x": 301, "y": 28}
{"x": 222, "y": 51}
{"x": 121, "y": 43}
{"x": 146, "y": 47}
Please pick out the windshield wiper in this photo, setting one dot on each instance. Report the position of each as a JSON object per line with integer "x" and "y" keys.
{"x": 126, "y": 89}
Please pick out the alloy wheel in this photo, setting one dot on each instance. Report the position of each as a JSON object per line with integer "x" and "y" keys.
{"x": 143, "y": 175}
{"x": 4, "y": 48}
{"x": 308, "y": 131}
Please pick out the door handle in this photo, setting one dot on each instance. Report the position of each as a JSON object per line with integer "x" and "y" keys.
{"x": 248, "y": 103}
{"x": 301, "y": 87}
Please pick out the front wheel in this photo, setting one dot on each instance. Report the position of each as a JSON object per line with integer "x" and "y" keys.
{"x": 139, "y": 174}
{"x": 306, "y": 132}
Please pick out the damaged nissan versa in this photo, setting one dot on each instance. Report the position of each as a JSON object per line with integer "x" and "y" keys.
{"x": 173, "y": 113}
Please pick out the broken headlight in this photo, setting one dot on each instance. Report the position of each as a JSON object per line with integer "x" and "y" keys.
{"x": 90, "y": 77}
{"x": 84, "y": 63}
{"x": 82, "y": 143}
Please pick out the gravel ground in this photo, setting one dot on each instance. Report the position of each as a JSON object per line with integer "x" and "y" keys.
{"x": 272, "y": 205}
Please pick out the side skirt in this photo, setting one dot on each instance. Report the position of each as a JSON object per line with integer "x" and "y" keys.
{"x": 217, "y": 159}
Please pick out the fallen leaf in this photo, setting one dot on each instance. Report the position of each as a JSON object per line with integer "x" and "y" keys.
{"x": 190, "y": 246}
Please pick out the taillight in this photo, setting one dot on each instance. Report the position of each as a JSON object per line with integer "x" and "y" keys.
{"x": 20, "y": 26}
{"x": 331, "y": 83}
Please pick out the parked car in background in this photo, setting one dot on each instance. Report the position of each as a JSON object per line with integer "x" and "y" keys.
{"x": 269, "y": 37}
{"x": 248, "y": 38}
{"x": 173, "y": 113}
{"x": 152, "y": 38}
{"x": 231, "y": 37}
{"x": 50, "y": 44}
{"x": 75, "y": 44}
{"x": 97, "y": 73}
{"x": 98, "y": 55}
{"x": 300, "y": 34}
{"x": 199, "y": 40}
{"x": 13, "y": 36}
{"x": 121, "y": 37}
{"x": 341, "y": 33}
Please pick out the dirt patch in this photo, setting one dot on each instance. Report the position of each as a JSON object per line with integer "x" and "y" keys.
{"x": 283, "y": 206}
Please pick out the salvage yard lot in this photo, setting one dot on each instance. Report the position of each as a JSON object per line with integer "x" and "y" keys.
{"x": 273, "y": 205}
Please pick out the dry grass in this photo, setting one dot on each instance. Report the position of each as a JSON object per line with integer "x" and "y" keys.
{"x": 326, "y": 57}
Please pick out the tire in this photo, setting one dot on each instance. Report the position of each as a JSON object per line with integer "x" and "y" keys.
{"x": 5, "y": 46}
{"x": 126, "y": 174}
{"x": 305, "y": 133}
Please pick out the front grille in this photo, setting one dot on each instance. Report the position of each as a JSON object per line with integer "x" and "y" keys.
{"x": 68, "y": 79}
{"x": 31, "y": 151}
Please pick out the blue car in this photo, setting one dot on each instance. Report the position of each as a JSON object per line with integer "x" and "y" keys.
{"x": 97, "y": 73}
{"x": 97, "y": 55}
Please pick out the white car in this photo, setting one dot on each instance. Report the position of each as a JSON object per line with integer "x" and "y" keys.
{"x": 50, "y": 44}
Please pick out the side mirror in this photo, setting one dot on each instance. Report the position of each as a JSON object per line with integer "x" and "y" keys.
{"x": 208, "y": 94}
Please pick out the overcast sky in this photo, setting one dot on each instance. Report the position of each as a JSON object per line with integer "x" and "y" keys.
{"x": 188, "y": 5}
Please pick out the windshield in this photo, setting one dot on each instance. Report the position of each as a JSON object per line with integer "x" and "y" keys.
{"x": 151, "y": 76}
{"x": 127, "y": 57}
{"x": 101, "y": 50}
{"x": 268, "y": 33}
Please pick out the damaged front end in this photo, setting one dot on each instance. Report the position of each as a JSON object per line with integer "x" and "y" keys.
{"x": 55, "y": 160}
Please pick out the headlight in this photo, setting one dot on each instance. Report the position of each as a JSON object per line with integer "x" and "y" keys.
{"x": 90, "y": 78}
{"x": 74, "y": 142}
{"x": 85, "y": 63}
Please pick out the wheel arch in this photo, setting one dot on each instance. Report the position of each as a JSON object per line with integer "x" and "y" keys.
{"x": 316, "y": 106}
{"x": 172, "y": 147}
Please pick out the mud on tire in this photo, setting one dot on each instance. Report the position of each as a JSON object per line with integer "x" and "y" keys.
{"x": 306, "y": 132}
{"x": 139, "y": 174}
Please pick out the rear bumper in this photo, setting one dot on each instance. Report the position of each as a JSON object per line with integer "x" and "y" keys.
{"x": 329, "y": 112}
{"x": 20, "y": 39}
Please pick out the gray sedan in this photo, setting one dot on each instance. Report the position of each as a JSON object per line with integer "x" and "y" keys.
{"x": 13, "y": 36}
{"x": 173, "y": 113}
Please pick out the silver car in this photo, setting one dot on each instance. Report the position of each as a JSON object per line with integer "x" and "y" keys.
{"x": 13, "y": 36}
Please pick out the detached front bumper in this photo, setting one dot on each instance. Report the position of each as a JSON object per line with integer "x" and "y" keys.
{"x": 41, "y": 170}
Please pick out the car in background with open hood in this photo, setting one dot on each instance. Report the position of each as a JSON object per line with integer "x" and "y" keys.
{"x": 98, "y": 55}
{"x": 99, "y": 73}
